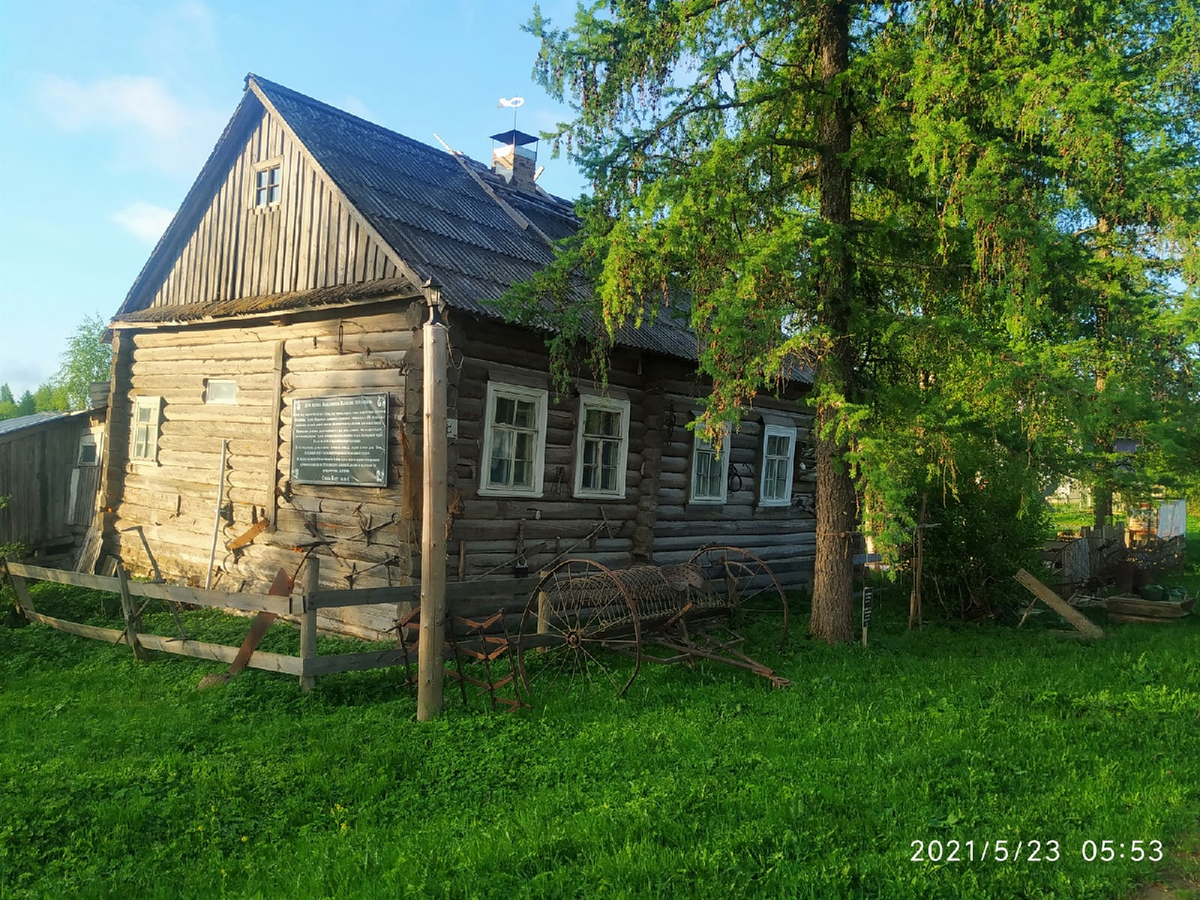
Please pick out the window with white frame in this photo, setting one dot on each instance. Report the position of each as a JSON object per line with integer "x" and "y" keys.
{"x": 268, "y": 182}
{"x": 222, "y": 391}
{"x": 710, "y": 470}
{"x": 514, "y": 441}
{"x": 146, "y": 413}
{"x": 89, "y": 450}
{"x": 779, "y": 454}
{"x": 603, "y": 443}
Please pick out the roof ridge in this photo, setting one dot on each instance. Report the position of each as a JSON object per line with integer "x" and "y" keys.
{"x": 269, "y": 87}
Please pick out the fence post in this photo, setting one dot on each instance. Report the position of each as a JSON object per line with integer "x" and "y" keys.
{"x": 129, "y": 609}
{"x": 308, "y": 622}
{"x": 24, "y": 601}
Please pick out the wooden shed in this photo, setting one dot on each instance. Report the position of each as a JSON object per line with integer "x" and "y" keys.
{"x": 279, "y": 319}
{"x": 50, "y": 467}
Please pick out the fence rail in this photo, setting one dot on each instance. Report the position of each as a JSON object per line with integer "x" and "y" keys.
{"x": 465, "y": 598}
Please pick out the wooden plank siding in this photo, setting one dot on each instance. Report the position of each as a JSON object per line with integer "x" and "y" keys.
{"x": 36, "y": 466}
{"x": 309, "y": 239}
{"x": 174, "y": 500}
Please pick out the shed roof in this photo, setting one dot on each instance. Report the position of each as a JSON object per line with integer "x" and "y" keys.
{"x": 23, "y": 423}
{"x": 448, "y": 218}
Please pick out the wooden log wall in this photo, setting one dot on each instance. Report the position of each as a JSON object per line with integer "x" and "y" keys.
{"x": 35, "y": 474}
{"x": 357, "y": 532}
{"x": 654, "y": 522}
{"x": 369, "y": 537}
{"x": 309, "y": 239}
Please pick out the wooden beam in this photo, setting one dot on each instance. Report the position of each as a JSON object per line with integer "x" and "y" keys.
{"x": 214, "y": 599}
{"x": 1082, "y": 624}
{"x": 354, "y": 662}
{"x": 24, "y": 601}
{"x": 108, "y": 635}
{"x": 270, "y": 662}
{"x": 273, "y": 436}
{"x": 308, "y": 623}
{"x": 430, "y": 668}
{"x": 130, "y": 611}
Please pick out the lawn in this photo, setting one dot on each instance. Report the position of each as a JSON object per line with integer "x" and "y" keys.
{"x": 119, "y": 778}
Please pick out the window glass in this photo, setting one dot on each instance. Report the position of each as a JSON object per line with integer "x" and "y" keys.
{"x": 779, "y": 447}
{"x": 514, "y": 438}
{"x": 145, "y": 428}
{"x": 267, "y": 183}
{"x": 216, "y": 391}
{"x": 709, "y": 471}
{"x": 603, "y": 442}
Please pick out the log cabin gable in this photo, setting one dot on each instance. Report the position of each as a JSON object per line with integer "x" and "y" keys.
{"x": 264, "y": 218}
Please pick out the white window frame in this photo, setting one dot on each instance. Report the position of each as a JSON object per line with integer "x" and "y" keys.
{"x": 218, "y": 400}
{"x": 149, "y": 450}
{"x": 89, "y": 439}
{"x": 268, "y": 186}
{"x": 541, "y": 398}
{"x": 770, "y": 431}
{"x": 608, "y": 404}
{"x": 701, "y": 446}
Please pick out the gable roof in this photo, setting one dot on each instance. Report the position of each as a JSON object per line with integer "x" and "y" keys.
{"x": 448, "y": 220}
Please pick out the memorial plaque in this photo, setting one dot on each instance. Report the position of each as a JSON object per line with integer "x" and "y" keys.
{"x": 340, "y": 440}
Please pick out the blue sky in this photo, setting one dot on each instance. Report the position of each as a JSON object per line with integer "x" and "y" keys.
{"x": 111, "y": 107}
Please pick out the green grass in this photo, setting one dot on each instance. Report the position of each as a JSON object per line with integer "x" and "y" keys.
{"x": 118, "y": 778}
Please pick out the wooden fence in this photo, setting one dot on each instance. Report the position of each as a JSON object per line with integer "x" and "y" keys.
{"x": 465, "y": 600}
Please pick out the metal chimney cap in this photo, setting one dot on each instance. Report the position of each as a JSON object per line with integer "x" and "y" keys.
{"x": 519, "y": 138}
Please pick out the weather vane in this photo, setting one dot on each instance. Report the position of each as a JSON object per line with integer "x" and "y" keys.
{"x": 514, "y": 104}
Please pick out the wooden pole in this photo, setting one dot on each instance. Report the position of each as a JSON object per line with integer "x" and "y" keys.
{"x": 212, "y": 556}
{"x": 308, "y": 622}
{"x": 130, "y": 612}
{"x": 430, "y": 670}
{"x": 914, "y": 600}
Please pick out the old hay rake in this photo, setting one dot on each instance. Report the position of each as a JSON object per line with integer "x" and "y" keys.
{"x": 703, "y": 609}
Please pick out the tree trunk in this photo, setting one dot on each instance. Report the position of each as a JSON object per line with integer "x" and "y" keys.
{"x": 833, "y": 588}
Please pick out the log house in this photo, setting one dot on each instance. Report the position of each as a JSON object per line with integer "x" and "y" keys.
{"x": 297, "y": 271}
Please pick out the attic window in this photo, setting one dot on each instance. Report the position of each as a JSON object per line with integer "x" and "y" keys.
{"x": 268, "y": 180}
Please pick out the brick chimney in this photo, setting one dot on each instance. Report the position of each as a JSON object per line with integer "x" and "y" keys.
{"x": 516, "y": 159}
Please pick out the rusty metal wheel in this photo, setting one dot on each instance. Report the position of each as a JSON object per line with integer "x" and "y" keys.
{"x": 758, "y": 605}
{"x": 579, "y": 610}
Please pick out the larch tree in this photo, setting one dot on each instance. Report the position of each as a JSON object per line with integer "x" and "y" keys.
{"x": 902, "y": 199}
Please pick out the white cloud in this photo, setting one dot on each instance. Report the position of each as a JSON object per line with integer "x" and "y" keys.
{"x": 152, "y": 126}
{"x": 144, "y": 220}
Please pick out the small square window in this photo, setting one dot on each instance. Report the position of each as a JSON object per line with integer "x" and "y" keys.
{"x": 89, "y": 450}
{"x": 603, "y": 444}
{"x": 514, "y": 441}
{"x": 267, "y": 184}
{"x": 220, "y": 391}
{"x": 779, "y": 453}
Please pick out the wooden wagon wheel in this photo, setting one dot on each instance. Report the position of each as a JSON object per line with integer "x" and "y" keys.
{"x": 756, "y": 600}
{"x": 578, "y": 610}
